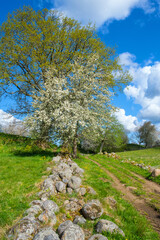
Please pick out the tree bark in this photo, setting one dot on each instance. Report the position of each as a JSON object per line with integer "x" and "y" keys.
{"x": 75, "y": 147}
{"x": 101, "y": 147}
{"x": 75, "y": 140}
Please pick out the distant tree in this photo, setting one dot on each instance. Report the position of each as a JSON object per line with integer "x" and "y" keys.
{"x": 147, "y": 134}
{"x": 114, "y": 137}
{"x": 107, "y": 138}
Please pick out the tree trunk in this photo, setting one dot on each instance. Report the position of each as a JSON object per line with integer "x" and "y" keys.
{"x": 75, "y": 147}
{"x": 101, "y": 147}
{"x": 75, "y": 140}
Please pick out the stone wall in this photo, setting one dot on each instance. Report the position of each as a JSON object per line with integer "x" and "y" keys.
{"x": 47, "y": 220}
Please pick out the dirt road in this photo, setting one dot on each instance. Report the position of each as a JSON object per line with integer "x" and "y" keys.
{"x": 141, "y": 203}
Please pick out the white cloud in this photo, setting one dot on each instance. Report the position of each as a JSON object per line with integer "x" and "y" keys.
{"x": 129, "y": 122}
{"x": 10, "y": 124}
{"x": 6, "y": 118}
{"x": 127, "y": 59}
{"x": 154, "y": 81}
{"x": 100, "y": 11}
{"x": 151, "y": 110}
{"x": 145, "y": 89}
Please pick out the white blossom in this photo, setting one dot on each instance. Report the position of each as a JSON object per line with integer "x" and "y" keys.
{"x": 79, "y": 99}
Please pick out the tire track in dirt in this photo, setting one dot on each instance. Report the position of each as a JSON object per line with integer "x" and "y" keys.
{"x": 139, "y": 203}
{"x": 149, "y": 186}
{"x": 152, "y": 189}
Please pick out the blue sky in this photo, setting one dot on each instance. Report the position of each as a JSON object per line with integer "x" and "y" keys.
{"x": 132, "y": 27}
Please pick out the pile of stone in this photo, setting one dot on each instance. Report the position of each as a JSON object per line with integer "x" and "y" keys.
{"x": 155, "y": 172}
{"x": 112, "y": 155}
{"x": 40, "y": 219}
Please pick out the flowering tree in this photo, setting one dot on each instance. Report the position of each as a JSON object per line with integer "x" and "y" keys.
{"x": 60, "y": 73}
{"x": 32, "y": 42}
{"x": 73, "y": 102}
{"x": 108, "y": 137}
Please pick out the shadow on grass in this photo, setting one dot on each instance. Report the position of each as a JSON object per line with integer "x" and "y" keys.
{"x": 47, "y": 153}
{"x": 154, "y": 179}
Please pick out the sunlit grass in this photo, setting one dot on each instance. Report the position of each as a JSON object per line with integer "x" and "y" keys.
{"x": 21, "y": 169}
{"x": 124, "y": 215}
{"x": 149, "y": 156}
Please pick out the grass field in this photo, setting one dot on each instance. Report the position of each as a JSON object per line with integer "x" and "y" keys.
{"x": 149, "y": 156}
{"x": 22, "y": 165}
{"x": 133, "y": 224}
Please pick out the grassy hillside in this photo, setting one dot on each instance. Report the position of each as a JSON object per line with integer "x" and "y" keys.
{"x": 135, "y": 226}
{"x": 150, "y": 156}
{"x": 22, "y": 165}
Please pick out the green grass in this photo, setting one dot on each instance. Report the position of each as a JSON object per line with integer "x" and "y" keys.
{"x": 125, "y": 216}
{"x": 22, "y": 165}
{"x": 150, "y": 156}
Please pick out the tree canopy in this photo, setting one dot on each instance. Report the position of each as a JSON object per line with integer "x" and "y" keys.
{"x": 60, "y": 73}
{"x": 109, "y": 137}
{"x": 31, "y": 42}
{"x": 147, "y": 134}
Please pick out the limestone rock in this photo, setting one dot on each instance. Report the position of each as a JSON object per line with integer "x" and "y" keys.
{"x": 79, "y": 220}
{"x": 92, "y": 209}
{"x": 69, "y": 190}
{"x": 73, "y": 166}
{"x": 104, "y": 225}
{"x": 156, "y": 172}
{"x": 50, "y": 205}
{"x": 44, "y": 195}
{"x": 91, "y": 191}
{"x": 46, "y": 234}
{"x": 73, "y": 232}
{"x": 23, "y": 236}
{"x": 36, "y": 202}
{"x": 73, "y": 205}
{"x": 35, "y": 209}
{"x": 63, "y": 226}
{"x": 65, "y": 174}
{"x": 82, "y": 191}
{"x": 48, "y": 216}
{"x": 56, "y": 159}
{"x": 62, "y": 166}
{"x": 60, "y": 186}
{"x": 65, "y": 180}
{"x": 26, "y": 226}
{"x": 54, "y": 176}
{"x": 79, "y": 171}
{"x": 75, "y": 182}
{"x": 111, "y": 202}
{"x": 98, "y": 237}
{"x": 48, "y": 184}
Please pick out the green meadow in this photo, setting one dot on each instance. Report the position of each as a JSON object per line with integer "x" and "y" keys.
{"x": 22, "y": 165}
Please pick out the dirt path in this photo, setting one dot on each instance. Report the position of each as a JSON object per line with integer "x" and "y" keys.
{"x": 139, "y": 203}
{"x": 152, "y": 189}
{"x": 148, "y": 185}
